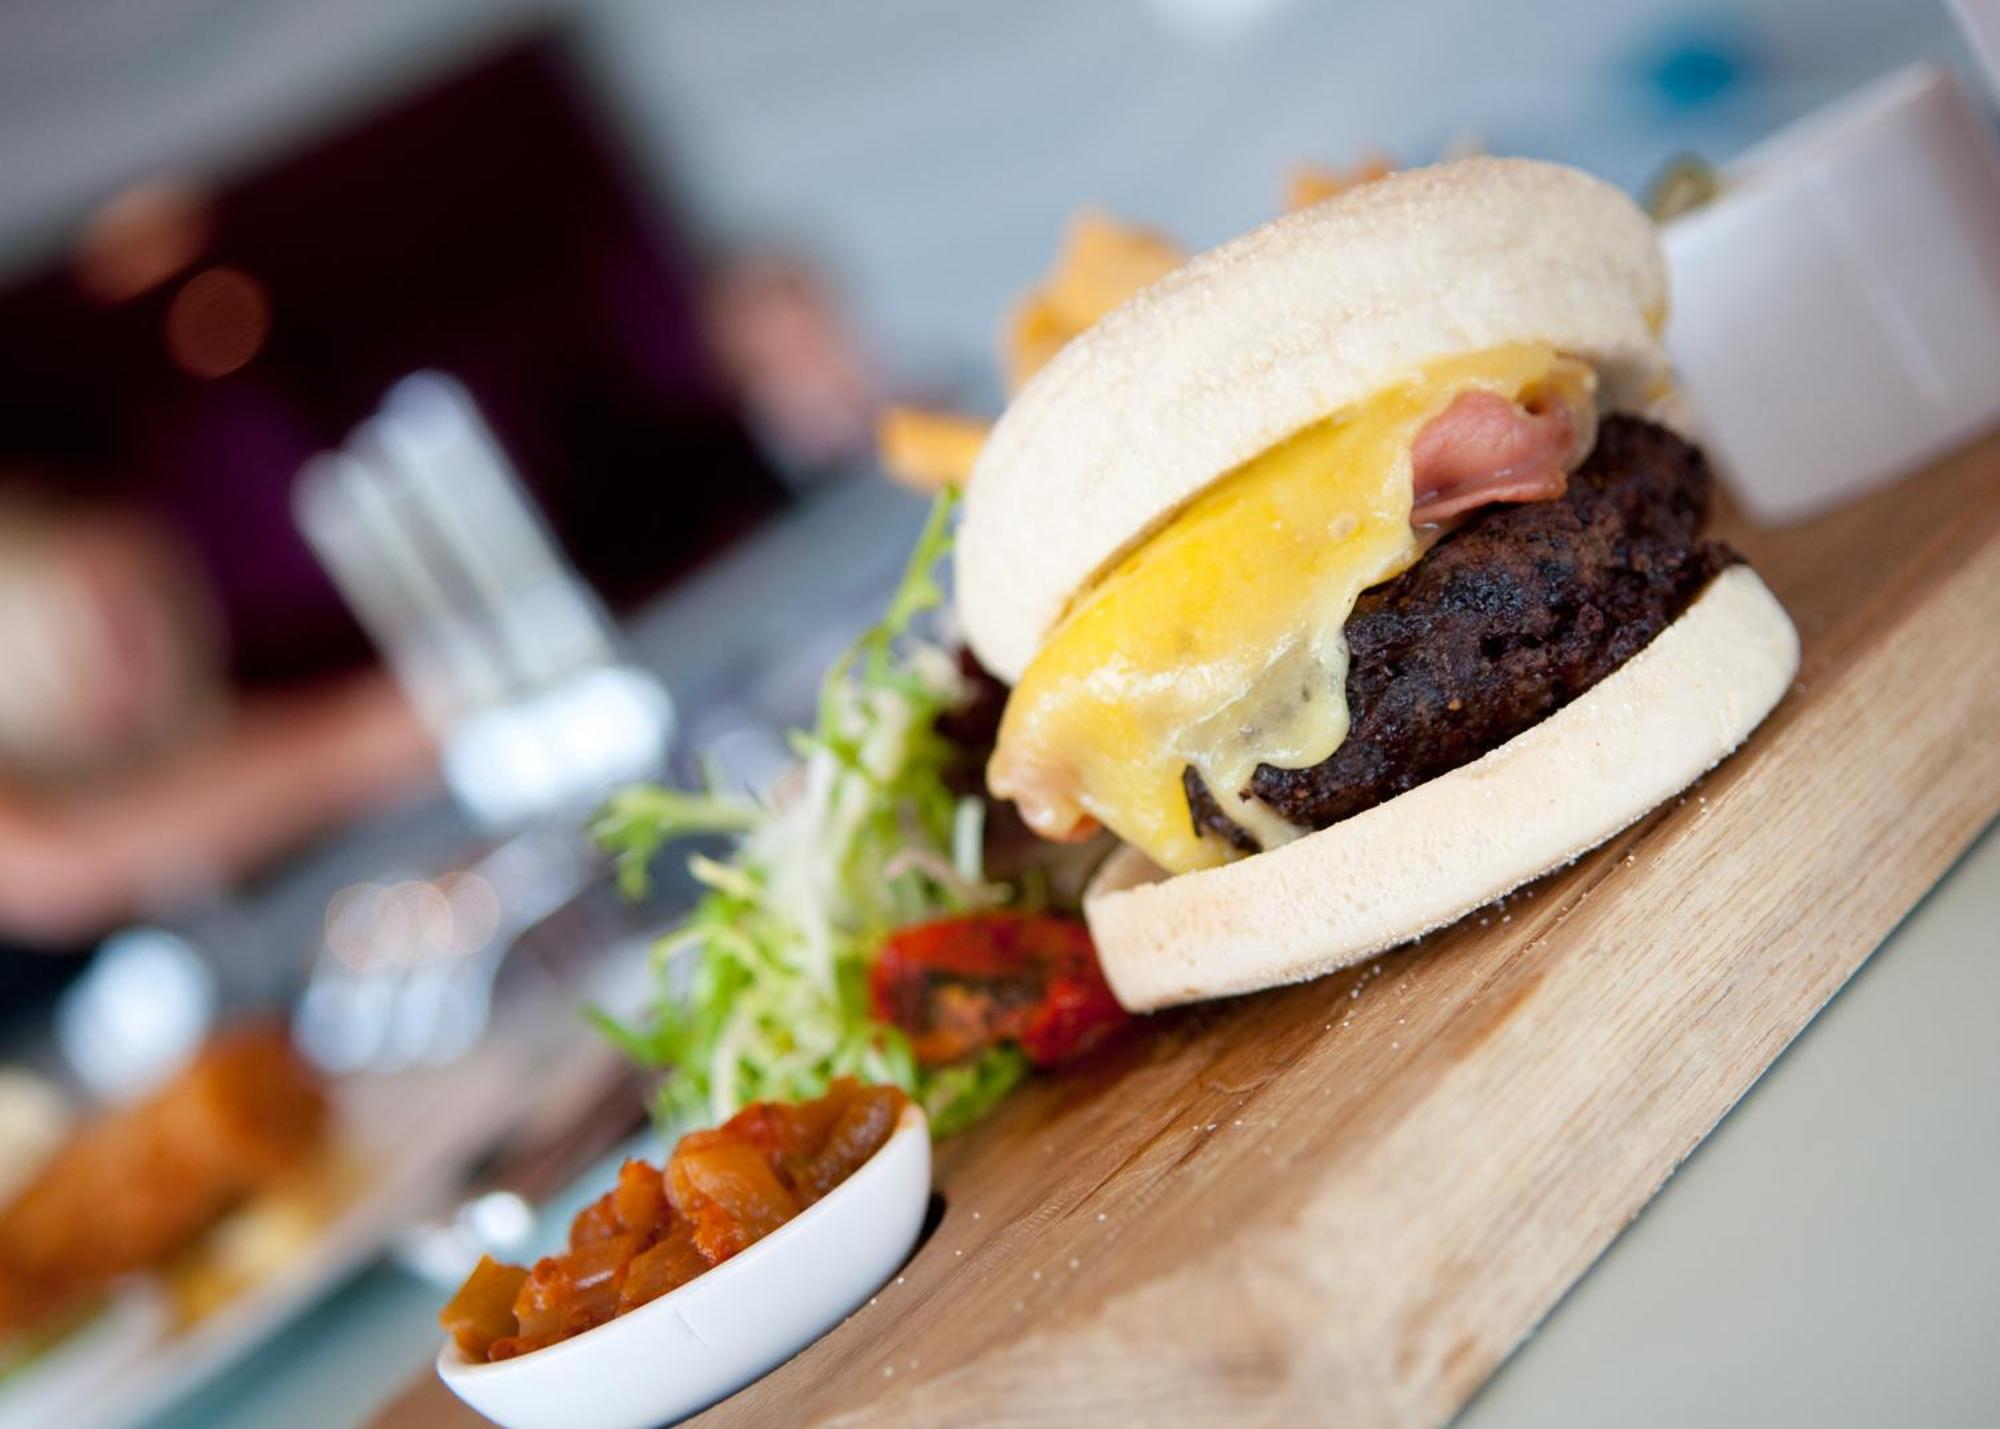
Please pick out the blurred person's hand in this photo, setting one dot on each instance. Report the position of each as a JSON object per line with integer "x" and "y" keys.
{"x": 107, "y": 640}
{"x": 131, "y": 779}
{"x": 263, "y": 777}
{"x": 793, "y": 359}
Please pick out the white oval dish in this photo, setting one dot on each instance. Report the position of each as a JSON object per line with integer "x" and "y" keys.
{"x": 692, "y": 1346}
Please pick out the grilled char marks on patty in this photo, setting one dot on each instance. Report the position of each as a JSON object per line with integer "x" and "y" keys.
{"x": 1505, "y": 620}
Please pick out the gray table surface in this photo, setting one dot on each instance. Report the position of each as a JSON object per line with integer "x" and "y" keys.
{"x": 1831, "y": 1255}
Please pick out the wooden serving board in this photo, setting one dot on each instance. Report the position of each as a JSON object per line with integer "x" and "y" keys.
{"x": 1349, "y": 1200}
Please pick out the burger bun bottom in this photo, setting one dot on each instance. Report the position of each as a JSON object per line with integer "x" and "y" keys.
{"x": 1428, "y": 857}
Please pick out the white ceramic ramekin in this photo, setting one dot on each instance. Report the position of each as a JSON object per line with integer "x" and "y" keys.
{"x": 689, "y": 1348}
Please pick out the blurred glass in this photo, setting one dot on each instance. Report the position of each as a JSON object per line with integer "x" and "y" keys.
{"x": 510, "y": 659}
{"x": 137, "y": 1014}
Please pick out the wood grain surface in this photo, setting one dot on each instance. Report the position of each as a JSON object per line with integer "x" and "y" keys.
{"x": 1348, "y": 1201}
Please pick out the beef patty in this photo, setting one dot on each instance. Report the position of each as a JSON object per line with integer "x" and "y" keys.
{"x": 1505, "y": 620}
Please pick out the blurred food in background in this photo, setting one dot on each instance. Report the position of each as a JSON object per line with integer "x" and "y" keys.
{"x": 929, "y": 450}
{"x": 1314, "y": 183}
{"x": 135, "y": 1187}
{"x": 34, "y": 1118}
{"x": 1102, "y": 262}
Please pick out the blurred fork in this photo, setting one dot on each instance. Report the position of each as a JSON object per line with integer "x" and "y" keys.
{"x": 406, "y": 971}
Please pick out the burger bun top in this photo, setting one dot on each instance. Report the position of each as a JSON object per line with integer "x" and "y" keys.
{"x": 1298, "y": 320}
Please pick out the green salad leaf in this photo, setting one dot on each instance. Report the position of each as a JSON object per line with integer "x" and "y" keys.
{"x": 762, "y": 991}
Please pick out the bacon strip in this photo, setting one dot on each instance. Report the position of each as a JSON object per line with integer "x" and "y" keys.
{"x": 1484, "y": 448}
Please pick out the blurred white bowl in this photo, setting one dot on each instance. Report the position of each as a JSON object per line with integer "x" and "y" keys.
{"x": 1836, "y": 311}
{"x": 692, "y": 1346}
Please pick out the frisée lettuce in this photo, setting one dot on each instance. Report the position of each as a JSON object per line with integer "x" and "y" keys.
{"x": 762, "y": 991}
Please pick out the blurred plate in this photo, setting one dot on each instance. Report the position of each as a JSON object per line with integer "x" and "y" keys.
{"x": 405, "y": 1140}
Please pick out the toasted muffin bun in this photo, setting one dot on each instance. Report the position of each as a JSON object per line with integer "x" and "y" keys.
{"x": 1428, "y": 857}
{"x": 1276, "y": 330}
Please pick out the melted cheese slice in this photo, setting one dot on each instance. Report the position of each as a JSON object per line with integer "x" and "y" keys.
{"x": 1216, "y": 644}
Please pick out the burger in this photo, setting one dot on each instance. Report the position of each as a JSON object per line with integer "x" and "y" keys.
{"x": 1353, "y": 574}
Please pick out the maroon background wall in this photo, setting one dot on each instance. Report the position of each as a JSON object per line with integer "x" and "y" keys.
{"x": 488, "y": 227}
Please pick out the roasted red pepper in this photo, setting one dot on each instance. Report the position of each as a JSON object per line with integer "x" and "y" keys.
{"x": 959, "y": 985}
